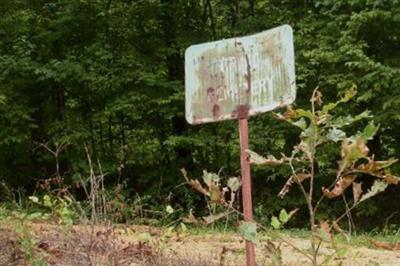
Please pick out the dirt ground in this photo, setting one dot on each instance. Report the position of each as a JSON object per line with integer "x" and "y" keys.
{"x": 143, "y": 245}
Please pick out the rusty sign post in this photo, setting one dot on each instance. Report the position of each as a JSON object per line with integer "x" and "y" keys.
{"x": 237, "y": 78}
{"x": 246, "y": 185}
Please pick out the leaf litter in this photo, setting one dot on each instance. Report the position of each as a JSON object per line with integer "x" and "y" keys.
{"x": 125, "y": 245}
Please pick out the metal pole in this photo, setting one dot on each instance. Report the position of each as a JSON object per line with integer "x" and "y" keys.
{"x": 246, "y": 186}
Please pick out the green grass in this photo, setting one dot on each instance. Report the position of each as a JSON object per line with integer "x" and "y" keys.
{"x": 357, "y": 239}
{"x": 363, "y": 238}
{"x": 206, "y": 230}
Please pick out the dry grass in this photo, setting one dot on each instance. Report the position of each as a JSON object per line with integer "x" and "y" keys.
{"x": 10, "y": 253}
{"x": 90, "y": 245}
{"x": 142, "y": 245}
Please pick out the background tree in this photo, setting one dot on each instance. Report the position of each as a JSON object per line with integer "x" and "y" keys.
{"x": 109, "y": 74}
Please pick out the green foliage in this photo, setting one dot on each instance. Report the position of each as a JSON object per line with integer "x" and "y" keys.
{"x": 275, "y": 223}
{"x": 324, "y": 126}
{"x": 282, "y": 219}
{"x": 60, "y": 208}
{"x": 249, "y": 231}
{"x": 19, "y": 221}
{"x": 109, "y": 75}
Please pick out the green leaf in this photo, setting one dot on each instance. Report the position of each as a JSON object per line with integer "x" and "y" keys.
{"x": 363, "y": 115}
{"x": 233, "y": 183}
{"x": 183, "y": 227}
{"x": 304, "y": 113}
{"x": 146, "y": 237}
{"x": 170, "y": 230}
{"x": 336, "y": 135}
{"x": 342, "y": 121}
{"x": 34, "y": 199}
{"x": 249, "y": 231}
{"x": 276, "y": 259}
{"x": 275, "y": 222}
{"x": 342, "y": 252}
{"x": 328, "y": 107}
{"x": 3, "y": 99}
{"x": 377, "y": 187}
{"x": 210, "y": 178}
{"x": 283, "y": 216}
{"x": 169, "y": 209}
{"x": 349, "y": 94}
{"x": 34, "y": 216}
{"x": 366, "y": 97}
{"x": 323, "y": 235}
{"x": 369, "y": 131}
{"x": 47, "y": 201}
{"x": 301, "y": 123}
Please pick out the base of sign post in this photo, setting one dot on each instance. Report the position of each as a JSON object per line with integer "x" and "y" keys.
{"x": 246, "y": 186}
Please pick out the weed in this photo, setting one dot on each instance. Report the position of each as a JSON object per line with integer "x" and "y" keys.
{"x": 319, "y": 126}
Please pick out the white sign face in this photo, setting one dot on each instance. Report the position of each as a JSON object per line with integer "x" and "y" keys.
{"x": 239, "y": 77}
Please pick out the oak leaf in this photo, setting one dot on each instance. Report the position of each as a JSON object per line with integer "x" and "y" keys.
{"x": 357, "y": 191}
{"x": 339, "y": 187}
{"x": 298, "y": 178}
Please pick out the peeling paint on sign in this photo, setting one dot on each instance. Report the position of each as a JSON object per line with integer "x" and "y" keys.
{"x": 239, "y": 77}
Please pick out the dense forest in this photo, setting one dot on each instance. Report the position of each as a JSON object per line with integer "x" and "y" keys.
{"x": 104, "y": 79}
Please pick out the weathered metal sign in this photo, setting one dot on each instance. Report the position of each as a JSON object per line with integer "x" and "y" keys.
{"x": 239, "y": 77}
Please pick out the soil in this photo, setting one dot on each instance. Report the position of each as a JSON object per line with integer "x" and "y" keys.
{"x": 143, "y": 245}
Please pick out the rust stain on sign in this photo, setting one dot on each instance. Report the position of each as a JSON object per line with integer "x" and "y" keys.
{"x": 239, "y": 77}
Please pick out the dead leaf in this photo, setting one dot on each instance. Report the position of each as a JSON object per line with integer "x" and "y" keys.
{"x": 190, "y": 219}
{"x": 194, "y": 183}
{"x": 292, "y": 213}
{"x": 304, "y": 147}
{"x": 337, "y": 228}
{"x": 214, "y": 217}
{"x": 184, "y": 173}
{"x": 222, "y": 256}
{"x": 216, "y": 195}
{"x": 392, "y": 179}
{"x": 373, "y": 166}
{"x": 317, "y": 97}
{"x": 340, "y": 187}
{"x": 298, "y": 178}
{"x": 322, "y": 119}
{"x": 260, "y": 160}
{"x": 361, "y": 146}
{"x": 138, "y": 250}
{"x": 357, "y": 191}
{"x": 325, "y": 226}
{"x": 289, "y": 113}
{"x": 385, "y": 245}
{"x": 353, "y": 151}
{"x": 274, "y": 252}
{"x": 324, "y": 231}
{"x": 286, "y": 187}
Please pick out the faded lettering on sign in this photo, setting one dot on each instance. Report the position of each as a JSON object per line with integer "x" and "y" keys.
{"x": 238, "y": 77}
